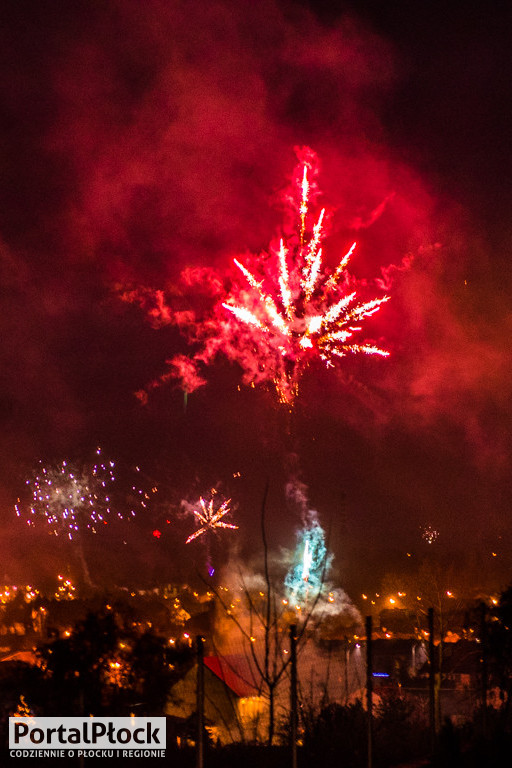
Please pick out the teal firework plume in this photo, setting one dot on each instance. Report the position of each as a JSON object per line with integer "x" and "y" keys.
{"x": 311, "y": 563}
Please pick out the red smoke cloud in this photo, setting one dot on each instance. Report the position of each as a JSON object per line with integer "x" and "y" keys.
{"x": 148, "y": 141}
{"x": 178, "y": 130}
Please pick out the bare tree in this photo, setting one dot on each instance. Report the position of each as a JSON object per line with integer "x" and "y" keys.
{"x": 263, "y": 621}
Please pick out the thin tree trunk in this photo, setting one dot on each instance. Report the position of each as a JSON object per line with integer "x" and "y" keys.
{"x": 293, "y": 693}
{"x": 270, "y": 715}
{"x": 200, "y": 701}
{"x": 369, "y": 689}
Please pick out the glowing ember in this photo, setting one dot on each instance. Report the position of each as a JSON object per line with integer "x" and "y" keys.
{"x": 209, "y": 518}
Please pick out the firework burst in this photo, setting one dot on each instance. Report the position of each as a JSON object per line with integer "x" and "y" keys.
{"x": 294, "y": 308}
{"x": 209, "y": 516}
{"x": 429, "y": 534}
{"x": 278, "y": 313}
{"x": 72, "y": 500}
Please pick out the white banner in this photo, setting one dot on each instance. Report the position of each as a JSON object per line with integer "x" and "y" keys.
{"x": 88, "y": 733}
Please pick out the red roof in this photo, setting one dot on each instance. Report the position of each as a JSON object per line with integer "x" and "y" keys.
{"x": 233, "y": 675}
{"x": 28, "y": 657}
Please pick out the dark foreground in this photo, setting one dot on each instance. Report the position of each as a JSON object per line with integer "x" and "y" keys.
{"x": 452, "y": 752}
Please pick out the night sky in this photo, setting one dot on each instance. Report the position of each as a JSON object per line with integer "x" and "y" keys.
{"x": 141, "y": 139}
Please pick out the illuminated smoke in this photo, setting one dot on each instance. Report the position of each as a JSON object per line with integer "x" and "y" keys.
{"x": 308, "y": 582}
{"x": 307, "y": 577}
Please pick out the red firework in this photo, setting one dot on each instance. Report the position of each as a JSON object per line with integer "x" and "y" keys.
{"x": 283, "y": 311}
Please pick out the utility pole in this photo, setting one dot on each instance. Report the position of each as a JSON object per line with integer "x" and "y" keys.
{"x": 483, "y": 661}
{"x": 432, "y": 680}
{"x": 347, "y": 660}
{"x": 200, "y": 702}
{"x": 369, "y": 687}
{"x": 293, "y": 693}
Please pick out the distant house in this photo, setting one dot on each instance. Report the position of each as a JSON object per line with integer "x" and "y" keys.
{"x": 460, "y": 680}
{"x": 234, "y": 710}
{"x": 26, "y": 657}
{"x": 398, "y": 658}
{"x": 461, "y": 664}
{"x": 236, "y": 701}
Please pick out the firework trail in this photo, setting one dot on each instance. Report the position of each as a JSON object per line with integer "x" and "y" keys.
{"x": 209, "y": 516}
{"x": 281, "y": 311}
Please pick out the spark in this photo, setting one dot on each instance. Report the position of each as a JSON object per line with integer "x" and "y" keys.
{"x": 286, "y": 296}
{"x": 209, "y": 518}
{"x": 304, "y": 202}
{"x": 295, "y": 310}
{"x": 306, "y": 562}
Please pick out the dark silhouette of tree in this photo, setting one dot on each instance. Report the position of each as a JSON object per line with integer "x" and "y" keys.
{"x": 105, "y": 668}
{"x": 400, "y": 733}
{"x": 77, "y": 667}
{"x": 154, "y": 669}
{"x": 499, "y": 654}
{"x": 337, "y": 733}
{"x": 20, "y": 683}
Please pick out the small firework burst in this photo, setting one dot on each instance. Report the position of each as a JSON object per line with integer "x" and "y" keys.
{"x": 70, "y": 500}
{"x": 429, "y": 534}
{"x": 209, "y": 516}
